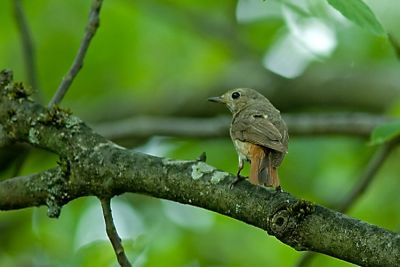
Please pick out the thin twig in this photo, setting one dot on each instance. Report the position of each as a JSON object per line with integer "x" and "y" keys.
{"x": 30, "y": 69}
{"x": 91, "y": 29}
{"x": 112, "y": 233}
{"x": 363, "y": 182}
{"x": 27, "y": 47}
{"x": 306, "y": 259}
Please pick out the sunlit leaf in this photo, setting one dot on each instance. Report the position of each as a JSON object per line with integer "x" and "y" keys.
{"x": 359, "y": 13}
{"x": 385, "y": 132}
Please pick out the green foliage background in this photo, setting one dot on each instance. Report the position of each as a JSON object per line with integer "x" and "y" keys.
{"x": 166, "y": 58}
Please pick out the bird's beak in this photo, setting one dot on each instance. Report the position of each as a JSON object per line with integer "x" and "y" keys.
{"x": 217, "y": 99}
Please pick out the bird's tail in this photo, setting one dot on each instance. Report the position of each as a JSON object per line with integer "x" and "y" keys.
{"x": 261, "y": 170}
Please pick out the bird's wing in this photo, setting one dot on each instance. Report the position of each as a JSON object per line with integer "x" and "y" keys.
{"x": 257, "y": 129}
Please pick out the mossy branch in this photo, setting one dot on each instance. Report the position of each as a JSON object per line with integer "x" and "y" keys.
{"x": 91, "y": 165}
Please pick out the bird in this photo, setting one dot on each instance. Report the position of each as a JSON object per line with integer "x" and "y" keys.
{"x": 259, "y": 135}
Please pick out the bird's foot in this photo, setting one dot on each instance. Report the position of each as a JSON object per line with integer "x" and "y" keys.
{"x": 278, "y": 189}
{"x": 237, "y": 179}
{"x": 202, "y": 157}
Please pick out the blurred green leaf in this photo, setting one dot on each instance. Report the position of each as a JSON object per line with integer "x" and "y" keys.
{"x": 385, "y": 132}
{"x": 359, "y": 13}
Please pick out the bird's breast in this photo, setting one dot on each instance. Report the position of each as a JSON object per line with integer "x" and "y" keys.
{"x": 243, "y": 149}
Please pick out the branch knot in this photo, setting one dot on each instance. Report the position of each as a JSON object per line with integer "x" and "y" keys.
{"x": 288, "y": 216}
{"x": 280, "y": 221}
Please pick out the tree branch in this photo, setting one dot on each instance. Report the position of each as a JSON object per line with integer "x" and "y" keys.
{"x": 112, "y": 233}
{"x": 91, "y": 29}
{"x": 92, "y": 165}
{"x": 357, "y": 124}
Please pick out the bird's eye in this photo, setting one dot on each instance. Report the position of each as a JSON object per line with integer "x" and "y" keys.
{"x": 235, "y": 95}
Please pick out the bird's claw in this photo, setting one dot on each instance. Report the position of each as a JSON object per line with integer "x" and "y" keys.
{"x": 278, "y": 189}
{"x": 237, "y": 179}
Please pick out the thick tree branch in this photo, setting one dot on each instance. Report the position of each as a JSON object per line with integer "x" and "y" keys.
{"x": 357, "y": 124}
{"x": 91, "y": 165}
{"x": 14, "y": 191}
{"x": 91, "y": 29}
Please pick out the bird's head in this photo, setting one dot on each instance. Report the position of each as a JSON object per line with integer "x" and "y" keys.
{"x": 239, "y": 98}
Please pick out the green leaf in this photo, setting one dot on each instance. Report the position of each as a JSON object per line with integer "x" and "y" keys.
{"x": 385, "y": 132}
{"x": 359, "y": 13}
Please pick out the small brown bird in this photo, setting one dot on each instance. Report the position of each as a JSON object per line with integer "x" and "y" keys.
{"x": 258, "y": 133}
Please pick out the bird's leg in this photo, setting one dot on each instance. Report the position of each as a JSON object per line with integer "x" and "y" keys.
{"x": 241, "y": 165}
{"x": 238, "y": 176}
{"x": 278, "y": 189}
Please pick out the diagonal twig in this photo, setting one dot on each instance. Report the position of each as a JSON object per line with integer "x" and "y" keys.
{"x": 367, "y": 176}
{"x": 112, "y": 233}
{"x": 27, "y": 48}
{"x": 91, "y": 29}
{"x": 395, "y": 45}
{"x": 358, "y": 189}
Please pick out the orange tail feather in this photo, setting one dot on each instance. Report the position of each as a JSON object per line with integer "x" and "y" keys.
{"x": 273, "y": 178}
{"x": 259, "y": 165}
{"x": 261, "y": 170}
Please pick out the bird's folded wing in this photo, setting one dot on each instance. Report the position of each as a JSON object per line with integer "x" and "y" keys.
{"x": 258, "y": 129}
